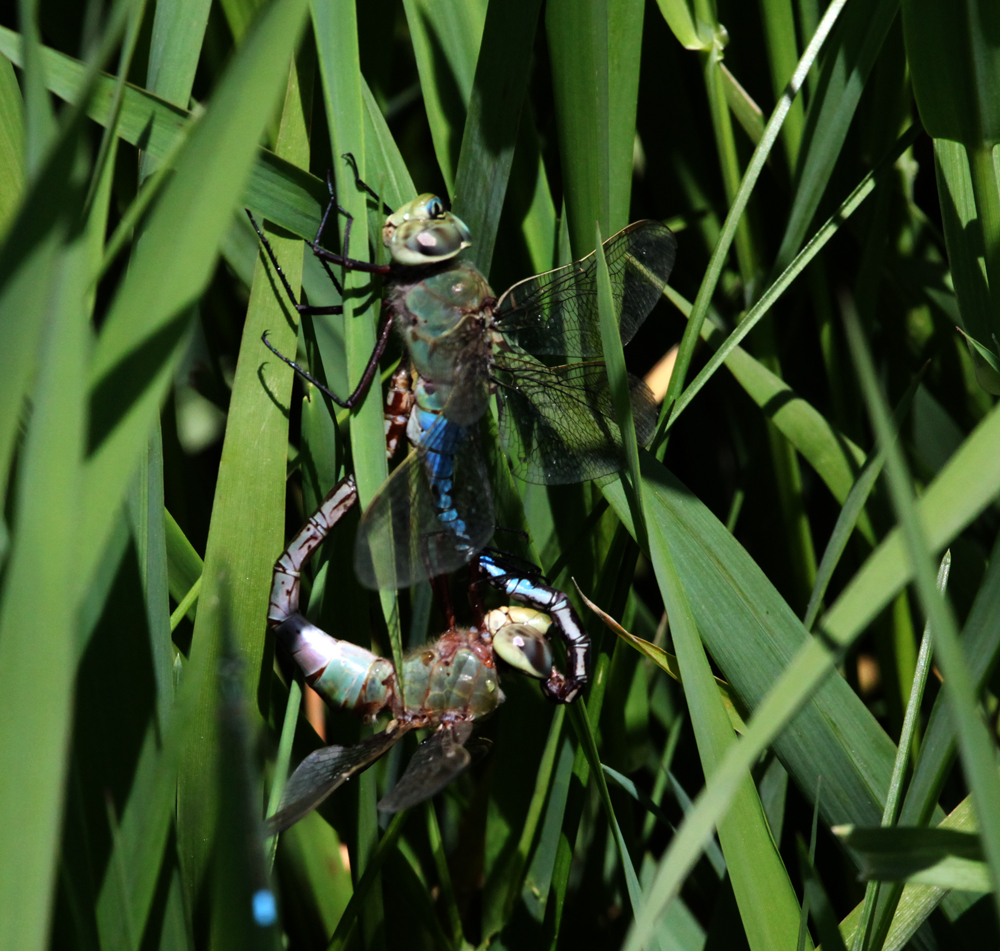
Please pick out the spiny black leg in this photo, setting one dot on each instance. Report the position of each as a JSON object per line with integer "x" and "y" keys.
{"x": 344, "y": 260}
{"x": 349, "y": 156}
{"x": 316, "y": 311}
{"x": 366, "y": 377}
{"x": 305, "y": 374}
{"x": 330, "y": 205}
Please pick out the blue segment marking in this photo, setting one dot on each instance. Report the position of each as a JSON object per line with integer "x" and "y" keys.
{"x": 440, "y": 440}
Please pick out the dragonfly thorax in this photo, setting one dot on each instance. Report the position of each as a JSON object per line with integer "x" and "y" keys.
{"x": 441, "y": 319}
{"x": 452, "y": 679}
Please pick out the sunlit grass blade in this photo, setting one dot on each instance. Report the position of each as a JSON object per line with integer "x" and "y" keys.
{"x": 720, "y": 253}
{"x": 978, "y": 752}
{"x": 771, "y": 295}
{"x": 846, "y": 66}
{"x": 755, "y": 868}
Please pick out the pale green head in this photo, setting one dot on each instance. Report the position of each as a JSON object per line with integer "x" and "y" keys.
{"x": 423, "y": 232}
{"x": 524, "y": 648}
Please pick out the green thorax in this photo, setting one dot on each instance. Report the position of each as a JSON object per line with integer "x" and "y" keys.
{"x": 454, "y": 677}
{"x": 442, "y": 321}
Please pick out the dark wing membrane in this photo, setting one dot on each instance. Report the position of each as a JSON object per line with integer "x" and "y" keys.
{"x": 321, "y": 772}
{"x": 558, "y": 424}
{"x": 438, "y": 760}
{"x": 556, "y": 312}
{"x": 403, "y": 538}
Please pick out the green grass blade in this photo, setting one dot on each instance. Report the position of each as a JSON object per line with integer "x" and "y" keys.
{"x": 175, "y": 48}
{"x": 276, "y": 190}
{"x": 978, "y": 752}
{"x": 336, "y": 31}
{"x": 614, "y": 359}
{"x": 756, "y": 165}
{"x": 41, "y": 578}
{"x": 11, "y": 145}
{"x": 850, "y": 58}
{"x": 595, "y": 51}
{"x": 169, "y": 273}
{"x": 834, "y": 457}
{"x": 247, "y": 528}
{"x": 779, "y": 27}
{"x": 767, "y": 903}
{"x": 752, "y": 634}
{"x": 771, "y": 295}
{"x": 446, "y": 38}
{"x": 963, "y": 238}
{"x": 849, "y": 514}
{"x": 492, "y": 121}
{"x": 949, "y": 504}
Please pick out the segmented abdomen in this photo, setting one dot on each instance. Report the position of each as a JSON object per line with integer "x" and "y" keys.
{"x": 345, "y": 675}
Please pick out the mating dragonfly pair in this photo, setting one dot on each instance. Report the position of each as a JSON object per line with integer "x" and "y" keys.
{"x": 435, "y": 512}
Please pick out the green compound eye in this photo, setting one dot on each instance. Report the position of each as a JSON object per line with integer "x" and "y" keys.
{"x": 524, "y": 648}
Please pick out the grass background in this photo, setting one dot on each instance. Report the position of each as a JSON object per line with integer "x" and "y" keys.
{"x": 830, "y": 174}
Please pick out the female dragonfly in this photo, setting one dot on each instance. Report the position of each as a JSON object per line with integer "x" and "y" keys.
{"x": 449, "y": 684}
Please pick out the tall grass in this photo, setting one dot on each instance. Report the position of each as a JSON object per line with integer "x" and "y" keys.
{"x": 832, "y": 319}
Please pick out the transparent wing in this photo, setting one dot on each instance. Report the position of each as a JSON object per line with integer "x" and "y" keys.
{"x": 407, "y": 535}
{"x": 556, "y": 312}
{"x": 437, "y": 761}
{"x": 558, "y": 424}
{"x": 321, "y": 772}
{"x": 461, "y": 360}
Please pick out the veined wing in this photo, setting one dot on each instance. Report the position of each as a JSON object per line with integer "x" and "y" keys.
{"x": 322, "y": 771}
{"x": 418, "y": 528}
{"x": 558, "y": 424}
{"x": 556, "y": 312}
{"x": 460, "y": 360}
{"x": 437, "y": 761}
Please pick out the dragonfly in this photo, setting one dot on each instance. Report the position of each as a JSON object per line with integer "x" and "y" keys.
{"x": 466, "y": 346}
{"x": 450, "y": 684}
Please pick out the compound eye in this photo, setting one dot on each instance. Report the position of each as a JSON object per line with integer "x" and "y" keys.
{"x": 435, "y": 208}
{"x": 524, "y": 648}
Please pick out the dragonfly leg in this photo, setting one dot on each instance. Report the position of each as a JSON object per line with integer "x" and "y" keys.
{"x": 366, "y": 377}
{"x": 288, "y": 568}
{"x": 529, "y": 590}
{"x": 314, "y": 311}
{"x": 349, "y": 156}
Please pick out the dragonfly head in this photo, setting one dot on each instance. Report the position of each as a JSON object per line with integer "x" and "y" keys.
{"x": 524, "y": 648}
{"x": 423, "y": 232}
